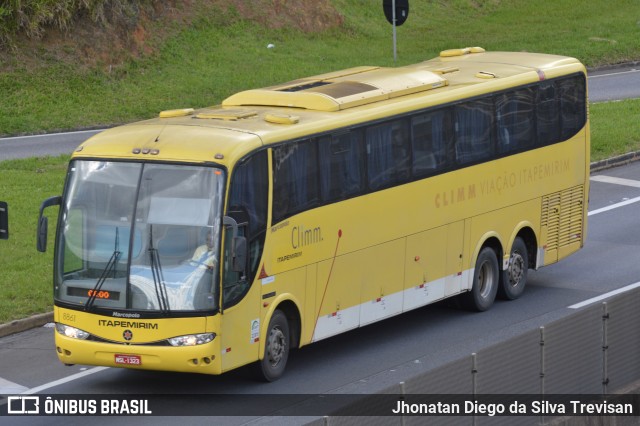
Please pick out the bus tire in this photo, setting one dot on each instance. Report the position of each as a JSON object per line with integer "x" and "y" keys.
{"x": 276, "y": 348}
{"x": 486, "y": 280}
{"x": 514, "y": 278}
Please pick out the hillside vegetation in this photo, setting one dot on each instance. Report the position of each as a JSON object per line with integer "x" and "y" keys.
{"x": 33, "y": 18}
{"x": 71, "y": 64}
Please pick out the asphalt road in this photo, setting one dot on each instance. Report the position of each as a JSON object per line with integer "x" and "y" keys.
{"x": 52, "y": 144}
{"x": 614, "y": 84}
{"x": 374, "y": 357}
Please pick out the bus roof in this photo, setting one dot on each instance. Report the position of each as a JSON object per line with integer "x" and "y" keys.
{"x": 253, "y": 118}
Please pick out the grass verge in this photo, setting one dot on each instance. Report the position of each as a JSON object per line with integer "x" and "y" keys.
{"x": 27, "y": 274}
{"x": 615, "y": 128}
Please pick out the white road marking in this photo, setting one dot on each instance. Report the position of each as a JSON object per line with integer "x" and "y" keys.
{"x": 604, "y": 296}
{"x": 63, "y": 380}
{"x": 613, "y": 73}
{"x": 42, "y": 135}
{"x": 616, "y": 181}
{"x": 8, "y": 388}
{"x": 614, "y": 206}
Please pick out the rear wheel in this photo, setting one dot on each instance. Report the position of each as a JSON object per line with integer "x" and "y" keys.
{"x": 276, "y": 348}
{"x": 514, "y": 278}
{"x": 486, "y": 278}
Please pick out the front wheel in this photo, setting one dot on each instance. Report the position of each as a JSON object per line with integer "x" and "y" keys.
{"x": 514, "y": 278}
{"x": 276, "y": 348}
{"x": 486, "y": 278}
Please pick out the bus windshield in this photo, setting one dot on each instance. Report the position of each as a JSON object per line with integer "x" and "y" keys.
{"x": 140, "y": 236}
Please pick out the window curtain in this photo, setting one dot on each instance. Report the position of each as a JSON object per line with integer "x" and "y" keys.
{"x": 295, "y": 178}
{"x": 249, "y": 191}
{"x": 473, "y": 131}
{"x": 343, "y": 166}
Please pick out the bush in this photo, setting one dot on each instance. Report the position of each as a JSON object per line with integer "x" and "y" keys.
{"x": 31, "y": 18}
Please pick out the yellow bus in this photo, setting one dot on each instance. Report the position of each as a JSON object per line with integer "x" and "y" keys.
{"x": 202, "y": 241}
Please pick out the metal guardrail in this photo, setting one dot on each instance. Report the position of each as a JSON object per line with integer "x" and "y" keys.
{"x": 593, "y": 351}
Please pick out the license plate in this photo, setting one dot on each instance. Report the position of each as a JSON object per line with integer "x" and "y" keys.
{"x": 128, "y": 359}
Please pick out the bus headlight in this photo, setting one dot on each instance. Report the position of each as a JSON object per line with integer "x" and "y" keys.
{"x": 192, "y": 339}
{"x": 74, "y": 333}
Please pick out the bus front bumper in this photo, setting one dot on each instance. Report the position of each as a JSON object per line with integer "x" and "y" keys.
{"x": 201, "y": 359}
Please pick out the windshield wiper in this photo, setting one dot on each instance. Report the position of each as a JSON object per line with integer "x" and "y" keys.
{"x": 158, "y": 278}
{"x": 111, "y": 266}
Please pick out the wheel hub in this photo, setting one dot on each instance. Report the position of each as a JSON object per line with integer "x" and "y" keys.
{"x": 276, "y": 348}
{"x": 485, "y": 279}
{"x": 516, "y": 269}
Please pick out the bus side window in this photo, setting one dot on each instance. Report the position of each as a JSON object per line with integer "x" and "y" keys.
{"x": 249, "y": 191}
{"x": 572, "y": 105}
{"x": 342, "y": 169}
{"x": 473, "y": 129}
{"x": 248, "y": 197}
{"x": 295, "y": 179}
{"x": 431, "y": 141}
{"x": 401, "y": 150}
{"x": 388, "y": 154}
{"x": 547, "y": 114}
{"x": 514, "y": 112}
{"x": 234, "y": 284}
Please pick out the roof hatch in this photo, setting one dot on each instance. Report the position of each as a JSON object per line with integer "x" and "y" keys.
{"x": 171, "y": 113}
{"x": 342, "y": 89}
{"x": 226, "y": 114}
{"x": 461, "y": 52}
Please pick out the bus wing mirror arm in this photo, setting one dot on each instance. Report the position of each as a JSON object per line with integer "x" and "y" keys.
{"x": 43, "y": 222}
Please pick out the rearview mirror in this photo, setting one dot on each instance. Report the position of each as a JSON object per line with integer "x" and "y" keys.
{"x": 43, "y": 227}
{"x": 43, "y": 222}
{"x": 4, "y": 220}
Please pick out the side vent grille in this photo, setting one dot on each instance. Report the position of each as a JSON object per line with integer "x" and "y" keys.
{"x": 562, "y": 221}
